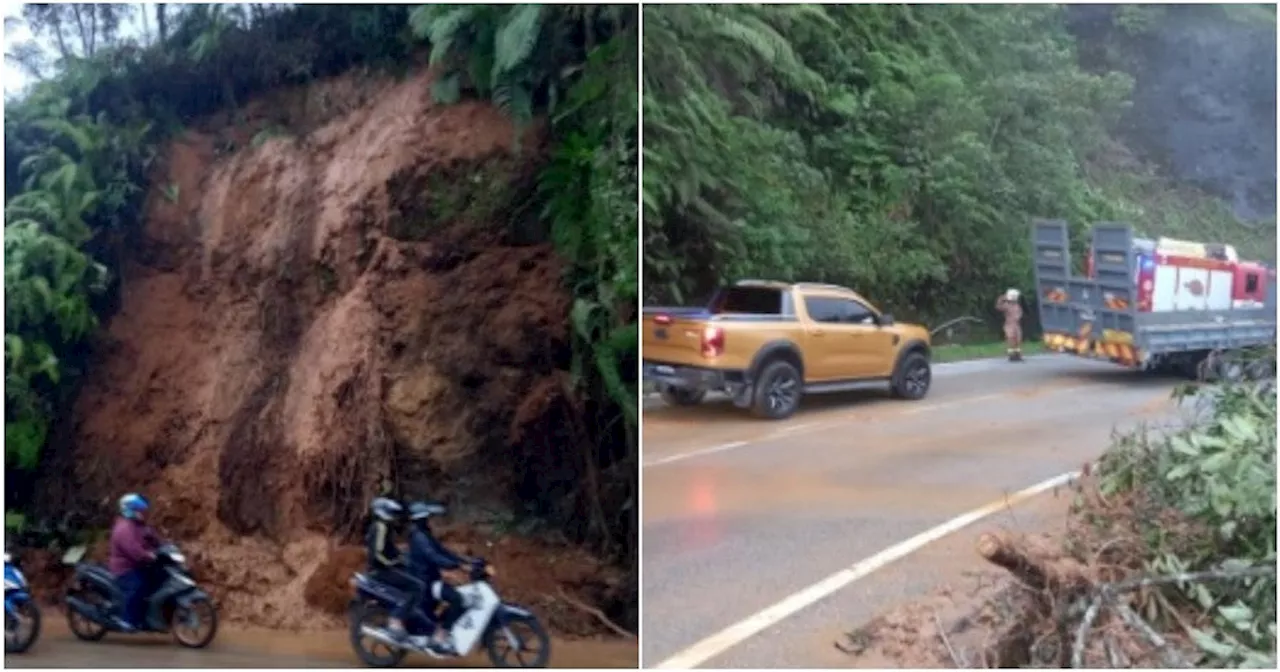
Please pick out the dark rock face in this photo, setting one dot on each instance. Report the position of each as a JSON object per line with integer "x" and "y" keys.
{"x": 1204, "y": 100}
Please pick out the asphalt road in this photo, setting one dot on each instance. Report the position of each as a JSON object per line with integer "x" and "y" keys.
{"x": 740, "y": 514}
{"x": 241, "y": 648}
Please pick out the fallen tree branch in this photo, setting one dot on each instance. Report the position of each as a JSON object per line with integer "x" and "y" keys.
{"x": 1066, "y": 577}
{"x": 1168, "y": 656}
{"x": 1082, "y": 633}
{"x": 599, "y": 615}
{"x": 949, "y": 323}
{"x": 1191, "y": 577}
{"x": 1088, "y": 599}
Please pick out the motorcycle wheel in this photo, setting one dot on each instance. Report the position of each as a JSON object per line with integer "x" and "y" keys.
{"x": 83, "y": 627}
{"x": 530, "y": 637}
{"x": 204, "y": 614}
{"x": 14, "y": 641}
{"x": 373, "y": 615}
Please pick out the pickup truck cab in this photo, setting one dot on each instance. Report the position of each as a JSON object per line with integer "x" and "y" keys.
{"x": 766, "y": 344}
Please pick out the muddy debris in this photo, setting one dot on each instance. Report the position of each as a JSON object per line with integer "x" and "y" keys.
{"x": 308, "y": 321}
{"x": 1048, "y": 601}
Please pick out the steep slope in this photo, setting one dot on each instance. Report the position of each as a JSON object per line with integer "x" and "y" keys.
{"x": 1204, "y": 99}
{"x": 309, "y": 320}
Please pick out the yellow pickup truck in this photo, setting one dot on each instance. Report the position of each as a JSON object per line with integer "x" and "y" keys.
{"x": 766, "y": 344}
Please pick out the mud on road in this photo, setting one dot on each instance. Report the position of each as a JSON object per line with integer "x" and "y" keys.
{"x": 259, "y": 648}
{"x": 741, "y": 515}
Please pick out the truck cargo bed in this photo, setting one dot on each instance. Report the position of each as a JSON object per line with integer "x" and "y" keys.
{"x": 1099, "y": 316}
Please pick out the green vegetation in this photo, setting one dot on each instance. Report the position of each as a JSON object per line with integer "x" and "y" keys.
{"x": 1199, "y": 500}
{"x": 898, "y": 149}
{"x": 968, "y": 351}
{"x": 79, "y": 143}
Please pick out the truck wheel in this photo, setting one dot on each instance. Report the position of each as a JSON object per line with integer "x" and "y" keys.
{"x": 777, "y": 391}
{"x": 1230, "y": 371}
{"x": 681, "y": 396}
{"x": 913, "y": 377}
{"x": 1261, "y": 369}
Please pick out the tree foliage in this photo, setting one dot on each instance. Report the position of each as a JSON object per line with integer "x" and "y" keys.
{"x": 899, "y": 149}
{"x": 1219, "y": 478}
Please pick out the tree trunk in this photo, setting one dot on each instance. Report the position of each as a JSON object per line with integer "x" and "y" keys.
{"x": 161, "y": 24}
{"x": 84, "y": 37}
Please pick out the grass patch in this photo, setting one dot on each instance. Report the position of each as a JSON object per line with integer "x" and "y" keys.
{"x": 959, "y": 353}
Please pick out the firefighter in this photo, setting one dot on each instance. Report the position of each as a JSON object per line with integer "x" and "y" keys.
{"x": 1008, "y": 305}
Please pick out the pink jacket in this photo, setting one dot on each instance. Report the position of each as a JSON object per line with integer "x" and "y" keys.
{"x": 131, "y": 546}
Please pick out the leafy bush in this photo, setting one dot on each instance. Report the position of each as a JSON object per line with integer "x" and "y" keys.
{"x": 1219, "y": 476}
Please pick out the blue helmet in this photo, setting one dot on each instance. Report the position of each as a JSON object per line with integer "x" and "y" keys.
{"x": 132, "y": 504}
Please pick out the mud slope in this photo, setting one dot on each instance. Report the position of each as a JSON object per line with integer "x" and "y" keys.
{"x": 309, "y": 318}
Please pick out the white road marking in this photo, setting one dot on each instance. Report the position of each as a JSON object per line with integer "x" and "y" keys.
{"x": 739, "y": 632}
{"x": 957, "y": 402}
{"x": 695, "y": 453}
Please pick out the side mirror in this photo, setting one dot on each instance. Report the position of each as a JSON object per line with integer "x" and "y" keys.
{"x": 886, "y": 320}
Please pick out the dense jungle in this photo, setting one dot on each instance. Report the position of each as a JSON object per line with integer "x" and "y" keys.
{"x": 903, "y": 149}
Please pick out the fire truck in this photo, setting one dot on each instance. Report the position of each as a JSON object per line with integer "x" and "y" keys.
{"x": 1154, "y": 304}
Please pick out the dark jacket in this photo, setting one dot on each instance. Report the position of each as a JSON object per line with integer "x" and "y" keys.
{"x": 132, "y": 544}
{"x": 381, "y": 547}
{"x": 427, "y": 556}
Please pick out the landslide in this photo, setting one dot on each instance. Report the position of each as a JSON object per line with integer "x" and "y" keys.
{"x": 334, "y": 295}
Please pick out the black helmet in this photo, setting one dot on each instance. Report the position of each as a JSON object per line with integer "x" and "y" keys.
{"x": 386, "y": 509}
{"x": 419, "y": 512}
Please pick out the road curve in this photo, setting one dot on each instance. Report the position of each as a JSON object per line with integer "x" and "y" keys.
{"x": 740, "y": 513}
{"x": 241, "y": 648}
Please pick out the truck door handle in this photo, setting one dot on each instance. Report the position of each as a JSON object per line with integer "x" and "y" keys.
{"x": 818, "y": 332}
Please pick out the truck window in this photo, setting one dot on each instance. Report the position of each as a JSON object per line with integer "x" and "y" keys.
{"x": 835, "y": 311}
{"x": 1251, "y": 283}
{"x": 749, "y": 300}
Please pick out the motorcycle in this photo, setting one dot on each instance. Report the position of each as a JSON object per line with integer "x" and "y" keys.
{"x": 19, "y": 610}
{"x": 487, "y": 620}
{"x": 175, "y": 605}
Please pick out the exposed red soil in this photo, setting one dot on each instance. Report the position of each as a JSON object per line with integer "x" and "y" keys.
{"x": 311, "y": 319}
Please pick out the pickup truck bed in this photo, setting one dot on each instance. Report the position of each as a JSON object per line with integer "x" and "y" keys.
{"x": 765, "y": 344}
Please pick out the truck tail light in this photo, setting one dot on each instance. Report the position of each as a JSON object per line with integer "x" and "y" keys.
{"x": 712, "y": 341}
{"x": 663, "y": 320}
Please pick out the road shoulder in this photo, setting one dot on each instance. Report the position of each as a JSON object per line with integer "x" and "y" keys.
{"x": 889, "y": 621}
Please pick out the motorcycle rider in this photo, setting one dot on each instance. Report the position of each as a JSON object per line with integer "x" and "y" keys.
{"x": 427, "y": 558}
{"x": 387, "y": 563}
{"x": 133, "y": 546}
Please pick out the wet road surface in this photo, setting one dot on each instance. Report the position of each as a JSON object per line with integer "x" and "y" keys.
{"x": 239, "y": 648}
{"x": 740, "y": 513}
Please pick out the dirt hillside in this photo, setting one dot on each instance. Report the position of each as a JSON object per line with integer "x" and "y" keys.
{"x": 313, "y": 315}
